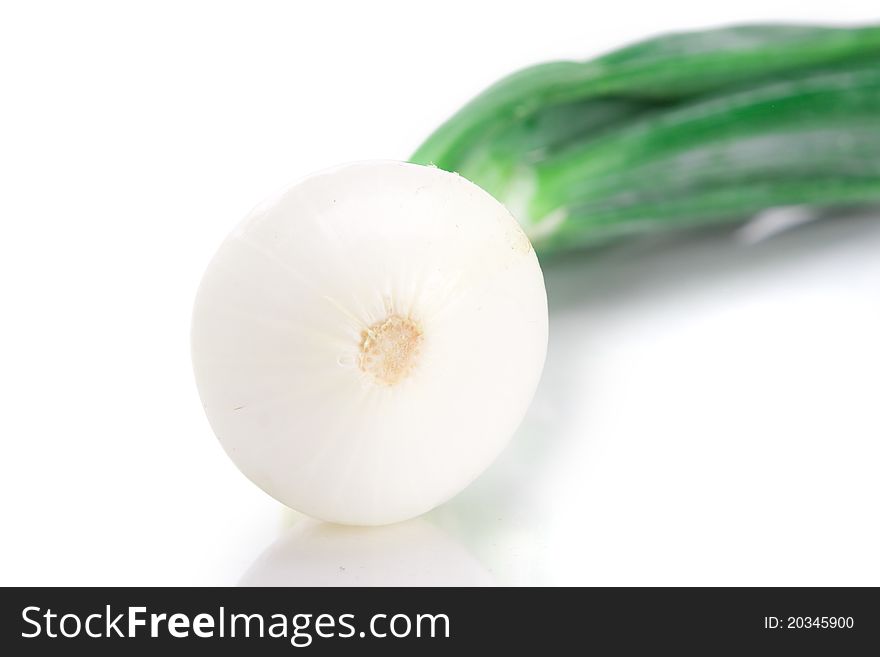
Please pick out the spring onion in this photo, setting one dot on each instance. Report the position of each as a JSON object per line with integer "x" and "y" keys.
{"x": 366, "y": 343}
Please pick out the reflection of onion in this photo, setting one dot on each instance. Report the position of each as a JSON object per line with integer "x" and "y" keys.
{"x": 413, "y": 553}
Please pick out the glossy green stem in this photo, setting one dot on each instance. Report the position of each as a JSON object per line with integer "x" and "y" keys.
{"x": 681, "y": 130}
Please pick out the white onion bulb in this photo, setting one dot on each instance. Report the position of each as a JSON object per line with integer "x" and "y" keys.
{"x": 366, "y": 343}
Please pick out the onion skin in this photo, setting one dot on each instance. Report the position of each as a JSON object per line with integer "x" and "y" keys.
{"x": 366, "y": 343}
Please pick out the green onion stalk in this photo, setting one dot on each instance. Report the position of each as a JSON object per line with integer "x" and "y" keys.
{"x": 679, "y": 131}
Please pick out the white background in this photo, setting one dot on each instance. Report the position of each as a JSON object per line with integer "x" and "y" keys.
{"x": 709, "y": 410}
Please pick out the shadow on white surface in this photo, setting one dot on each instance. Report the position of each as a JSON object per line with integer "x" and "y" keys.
{"x": 706, "y": 416}
{"x": 413, "y": 553}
